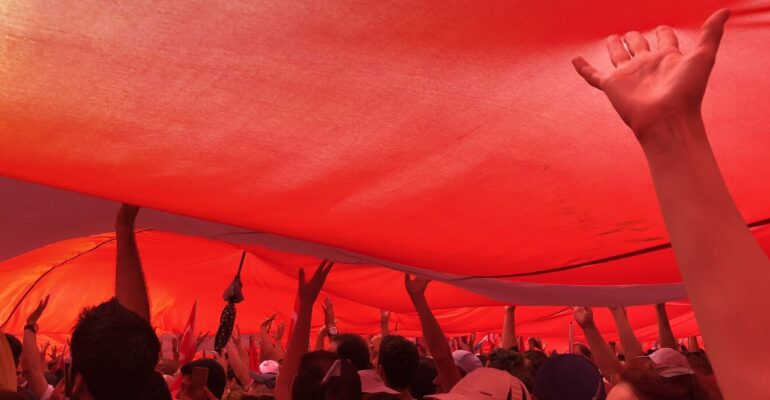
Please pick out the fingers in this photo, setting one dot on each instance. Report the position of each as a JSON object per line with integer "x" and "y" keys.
{"x": 589, "y": 73}
{"x": 666, "y": 38}
{"x": 618, "y": 53}
{"x": 712, "y": 30}
{"x": 636, "y": 43}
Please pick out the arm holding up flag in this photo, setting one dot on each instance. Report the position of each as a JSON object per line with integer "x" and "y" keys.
{"x": 130, "y": 287}
{"x": 432, "y": 333}
{"x": 32, "y": 365}
{"x": 299, "y": 340}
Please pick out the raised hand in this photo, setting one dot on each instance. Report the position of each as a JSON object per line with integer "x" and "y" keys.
{"x": 416, "y": 286}
{"x": 236, "y": 335}
{"x": 268, "y": 323}
{"x": 308, "y": 290}
{"x": 328, "y": 308}
{"x": 384, "y": 323}
{"x": 35, "y": 315}
{"x": 648, "y": 85}
{"x": 584, "y": 316}
{"x": 279, "y": 332}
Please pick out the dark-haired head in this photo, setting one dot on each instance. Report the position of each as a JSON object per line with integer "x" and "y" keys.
{"x": 217, "y": 380}
{"x": 319, "y": 379}
{"x": 641, "y": 377}
{"x": 114, "y": 352}
{"x": 398, "y": 362}
{"x": 352, "y": 347}
{"x": 423, "y": 383}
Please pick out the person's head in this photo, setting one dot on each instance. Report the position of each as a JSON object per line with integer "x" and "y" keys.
{"x": 423, "y": 383}
{"x": 643, "y": 379}
{"x": 398, "y": 362}
{"x": 466, "y": 361}
{"x": 569, "y": 376}
{"x": 503, "y": 359}
{"x": 583, "y": 350}
{"x": 114, "y": 353}
{"x": 157, "y": 388}
{"x": 15, "y": 345}
{"x": 323, "y": 375}
{"x": 533, "y": 359}
{"x": 216, "y": 382}
{"x": 352, "y": 347}
{"x": 512, "y": 362}
{"x": 485, "y": 384}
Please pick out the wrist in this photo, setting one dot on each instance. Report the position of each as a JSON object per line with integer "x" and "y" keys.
{"x": 31, "y": 326}
{"x": 673, "y": 132}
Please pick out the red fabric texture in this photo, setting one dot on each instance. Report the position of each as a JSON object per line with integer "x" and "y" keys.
{"x": 182, "y": 269}
{"x": 452, "y": 137}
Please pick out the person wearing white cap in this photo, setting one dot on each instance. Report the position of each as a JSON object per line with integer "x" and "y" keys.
{"x": 466, "y": 361}
{"x": 486, "y": 384}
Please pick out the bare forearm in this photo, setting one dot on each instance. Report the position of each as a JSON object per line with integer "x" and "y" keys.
{"x": 239, "y": 366}
{"x": 32, "y": 366}
{"x": 319, "y": 341}
{"x": 722, "y": 265}
{"x": 130, "y": 287}
{"x": 509, "y": 328}
{"x": 437, "y": 345}
{"x": 267, "y": 350}
{"x": 665, "y": 333}
{"x": 605, "y": 359}
{"x": 298, "y": 345}
{"x": 631, "y": 346}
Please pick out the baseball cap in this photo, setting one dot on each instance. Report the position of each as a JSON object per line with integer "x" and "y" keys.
{"x": 269, "y": 367}
{"x": 467, "y": 361}
{"x": 486, "y": 384}
{"x": 669, "y": 363}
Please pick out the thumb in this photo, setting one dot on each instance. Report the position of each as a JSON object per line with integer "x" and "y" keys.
{"x": 712, "y": 30}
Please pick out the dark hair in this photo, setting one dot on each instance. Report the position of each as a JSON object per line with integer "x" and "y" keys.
{"x": 569, "y": 376}
{"x": 381, "y": 396}
{"x": 584, "y": 351}
{"x": 157, "y": 389}
{"x": 308, "y": 384}
{"x": 400, "y": 360}
{"x": 648, "y": 384}
{"x": 15, "y": 345}
{"x": 512, "y": 362}
{"x": 422, "y": 384}
{"x": 216, "y": 381}
{"x": 114, "y": 350}
{"x": 8, "y": 395}
{"x": 534, "y": 359}
{"x": 354, "y": 348}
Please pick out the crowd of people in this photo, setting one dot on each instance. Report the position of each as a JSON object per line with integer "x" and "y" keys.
{"x": 114, "y": 353}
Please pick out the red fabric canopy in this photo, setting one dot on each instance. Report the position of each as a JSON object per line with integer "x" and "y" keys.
{"x": 448, "y": 138}
{"x": 182, "y": 269}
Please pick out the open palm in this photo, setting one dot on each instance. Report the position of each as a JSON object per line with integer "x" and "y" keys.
{"x": 648, "y": 85}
